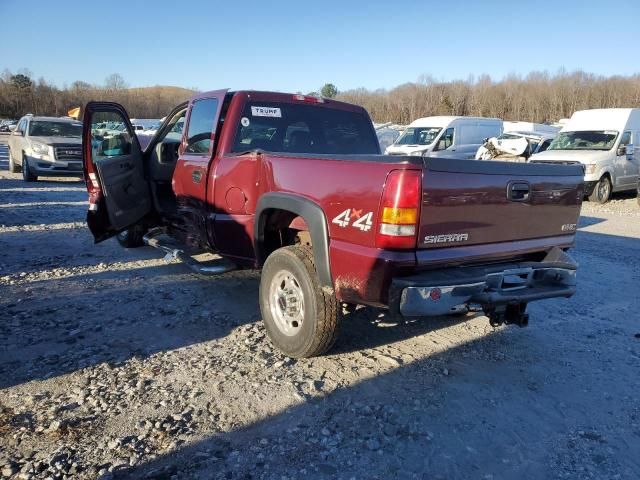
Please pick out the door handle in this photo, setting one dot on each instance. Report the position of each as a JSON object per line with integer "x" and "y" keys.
{"x": 518, "y": 191}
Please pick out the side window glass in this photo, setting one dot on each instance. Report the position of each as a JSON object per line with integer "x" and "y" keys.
{"x": 446, "y": 140}
{"x": 201, "y": 127}
{"x": 110, "y": 136}
{"x": 21, "y": 125}
{"x": 626, "y": 138}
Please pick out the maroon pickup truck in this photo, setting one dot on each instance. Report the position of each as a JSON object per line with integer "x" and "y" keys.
{"x": 296, "y": 186}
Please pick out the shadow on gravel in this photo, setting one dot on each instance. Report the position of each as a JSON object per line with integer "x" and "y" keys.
{"x": 378, "y": 425}
{"x": 371, "y": 328}
{"x": 17, "y": 216}
{"x": 116, "y": 316}
{"x": 136, "y": 313}
{"x": 415, "y": 421}
{"x": 487, "y": 415}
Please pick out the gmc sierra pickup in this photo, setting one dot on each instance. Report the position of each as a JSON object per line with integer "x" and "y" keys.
{"x": 296, "y": 186}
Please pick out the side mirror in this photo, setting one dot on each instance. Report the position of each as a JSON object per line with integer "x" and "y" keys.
{"x": 622, "y": 150}
{"x": 12, "y": 127}
{"x": 17, "y": 133}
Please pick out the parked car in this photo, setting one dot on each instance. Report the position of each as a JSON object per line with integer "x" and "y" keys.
{"x": 514, "y": 146}
{"x": 607, "y": 142}
{"x": 48, "y": 146}
{"x": 387, "y": 134}
{"x": 449, "y": 137}
{"x": 6, "y": 124}
{"x": 295, "y": 185}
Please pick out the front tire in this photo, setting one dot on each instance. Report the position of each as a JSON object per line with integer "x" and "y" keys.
{"x": 602, "y": 191}
{"x": 301, "y": 319}
{"x": 27, "y": 176}
{"x": 131, "y": 237}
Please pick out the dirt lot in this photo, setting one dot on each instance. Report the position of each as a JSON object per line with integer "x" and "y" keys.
{"x": 114, "y": 364}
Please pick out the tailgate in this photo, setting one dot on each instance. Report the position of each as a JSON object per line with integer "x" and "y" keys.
{"x": 473, "y": 202}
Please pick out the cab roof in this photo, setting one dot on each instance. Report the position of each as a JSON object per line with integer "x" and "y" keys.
{"x": 603, "y": 119}
{"x": 266, "y": 96}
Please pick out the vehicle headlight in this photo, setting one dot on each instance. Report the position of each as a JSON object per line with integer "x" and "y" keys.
{"x": 40, "y": 148}
{"x": 417, "y": 152}
{"x": 590, "y": 168}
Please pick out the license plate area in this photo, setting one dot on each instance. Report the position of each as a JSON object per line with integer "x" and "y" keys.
{"x": 510, "y": 280}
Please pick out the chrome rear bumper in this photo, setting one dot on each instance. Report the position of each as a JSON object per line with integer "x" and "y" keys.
{"x": 440, "y": 292}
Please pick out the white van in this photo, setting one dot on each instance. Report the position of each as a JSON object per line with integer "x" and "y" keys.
{"x": 455, "y": 137}
{"x": 607, "y": 142}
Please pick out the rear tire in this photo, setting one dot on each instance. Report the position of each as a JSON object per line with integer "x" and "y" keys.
{"x": 131, "y": 237}
{"x": 602, "y": 191}
{"x": 27, "y": 176}
{"x": 301, "y": 318}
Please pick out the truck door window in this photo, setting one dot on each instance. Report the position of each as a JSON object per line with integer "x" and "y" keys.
{"x": 446, "y": 140}
{"x": 201, "y": 127}
{"x": 110, "y": 136}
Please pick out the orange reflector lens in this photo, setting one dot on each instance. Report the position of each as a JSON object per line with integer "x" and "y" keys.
{"x": 399, "y": 216}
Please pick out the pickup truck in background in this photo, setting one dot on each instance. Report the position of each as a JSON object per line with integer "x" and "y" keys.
{"x": 296, "y": 186}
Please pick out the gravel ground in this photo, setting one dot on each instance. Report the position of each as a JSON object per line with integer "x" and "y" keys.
{"x": 114, "y": 364}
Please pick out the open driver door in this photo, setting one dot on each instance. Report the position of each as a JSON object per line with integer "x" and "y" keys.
{"x": 119, "y": 194}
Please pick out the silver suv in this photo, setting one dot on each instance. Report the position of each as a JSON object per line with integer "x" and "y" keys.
{"x": 46, "y": 146}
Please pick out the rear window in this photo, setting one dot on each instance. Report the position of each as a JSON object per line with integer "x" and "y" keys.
{"x": 303, "y": 128}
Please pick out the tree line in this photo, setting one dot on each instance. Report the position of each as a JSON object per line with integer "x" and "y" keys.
{"x": 21, "y": 94}
{"x": 537, "y": 97}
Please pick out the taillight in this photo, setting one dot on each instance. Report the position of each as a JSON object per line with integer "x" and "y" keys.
{"x": 399, "y": 210}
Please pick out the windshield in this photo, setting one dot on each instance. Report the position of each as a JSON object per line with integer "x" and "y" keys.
{"x": 586, "y": 140}
{"x": 418, "y": 136}
{"x": 304, "y": 128}
{"x": 41, "y": 128}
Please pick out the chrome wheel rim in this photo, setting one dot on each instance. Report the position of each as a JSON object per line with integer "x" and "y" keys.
{"x": 603, "y": 189}
{"x": 286, "y": 302}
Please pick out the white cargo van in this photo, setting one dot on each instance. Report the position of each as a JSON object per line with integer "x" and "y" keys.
{"x": 454, "y": 137}
{"x": 607, "y": 142}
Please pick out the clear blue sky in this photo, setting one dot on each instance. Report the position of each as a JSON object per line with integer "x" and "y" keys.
{"x": 291, "y": 46}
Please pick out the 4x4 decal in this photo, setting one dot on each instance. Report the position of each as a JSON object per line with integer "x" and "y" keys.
{"x": 362, "y": 221}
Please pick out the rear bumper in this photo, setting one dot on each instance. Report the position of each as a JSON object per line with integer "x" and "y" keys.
{"x": 439, "y": 292}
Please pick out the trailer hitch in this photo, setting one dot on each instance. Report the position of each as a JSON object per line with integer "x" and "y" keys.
{"x": 510, "y": 314}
